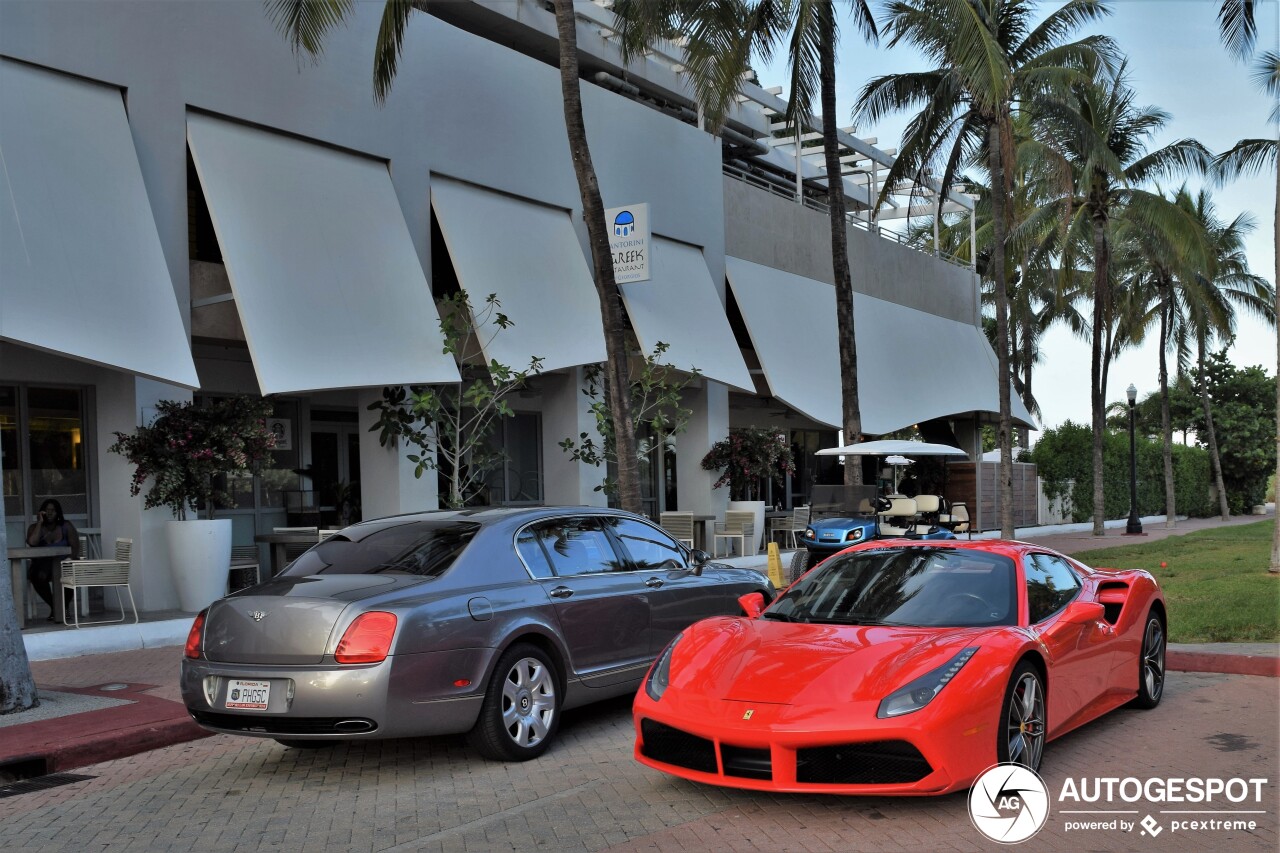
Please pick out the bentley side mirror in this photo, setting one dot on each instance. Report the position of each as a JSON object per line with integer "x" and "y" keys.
{"x": 752, "y": 604}
{"x": 699, "y": 558}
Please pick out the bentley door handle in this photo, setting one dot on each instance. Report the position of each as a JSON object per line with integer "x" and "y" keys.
{"x": 653, "y": 583}
{"x": 561, "y": 592}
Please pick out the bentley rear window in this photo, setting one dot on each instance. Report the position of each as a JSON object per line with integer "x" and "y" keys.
{"x": 420, "y": 548}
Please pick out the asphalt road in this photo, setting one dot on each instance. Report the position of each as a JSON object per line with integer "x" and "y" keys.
{"x": 231, "y": 793}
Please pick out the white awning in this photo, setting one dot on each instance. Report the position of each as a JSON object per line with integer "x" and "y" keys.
{"x": 530, "y": 257}
{"x": 680, "y": 307}
{"x": 792, "y": 323}
{"x": 912, "y": 365}
{"x": 324, "y": 272}
{"x": 82, "y": 273}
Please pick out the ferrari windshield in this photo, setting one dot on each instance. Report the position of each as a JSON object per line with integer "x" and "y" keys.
{"x": 924, "y": 587}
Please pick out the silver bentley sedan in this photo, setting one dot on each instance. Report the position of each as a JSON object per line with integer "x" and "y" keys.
{"x": 488, "y": 621}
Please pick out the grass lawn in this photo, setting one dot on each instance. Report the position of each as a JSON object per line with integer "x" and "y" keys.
{"x": 1215, "y": 582}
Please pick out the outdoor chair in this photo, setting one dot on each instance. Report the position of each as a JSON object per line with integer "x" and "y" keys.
{"x": 679, "y": 525}
{"x": 244, "y": 570}
{"x": 795, "y": 523}
{"x": 84, "y": 574}
{"x": 957, "y": 520}
{"x": 737, "y": 524}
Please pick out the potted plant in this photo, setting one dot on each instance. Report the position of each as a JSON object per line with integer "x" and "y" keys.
{"x": 745, "y": 458}
{"x": 186, "y": 453}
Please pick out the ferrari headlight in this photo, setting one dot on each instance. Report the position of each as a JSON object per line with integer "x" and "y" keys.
{"x": 920, "y": 692}
{"x": 660, "y": 676}
{"x": 853, "y": 535}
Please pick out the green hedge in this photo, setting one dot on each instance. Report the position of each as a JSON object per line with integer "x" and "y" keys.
{"x": 1065, "y": 454}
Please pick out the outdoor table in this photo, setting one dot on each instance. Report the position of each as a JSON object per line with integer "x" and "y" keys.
{"x": 20, "y": 554}
{"x": 700, "y": 529}
{"x": 771, "y": 515}
{"x": 278, "y": 541}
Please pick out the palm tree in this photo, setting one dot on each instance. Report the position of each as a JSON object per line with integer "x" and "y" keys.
{"x": 1224, "y": 284}
{"x": 721, "y": 35}
{"x": 306, "y": 23}
{"x": 1239, "y": 31}
{"x": 990, "y": 63}
{"x": 1103, "y": 134}
{"x": 1166, "y": 278}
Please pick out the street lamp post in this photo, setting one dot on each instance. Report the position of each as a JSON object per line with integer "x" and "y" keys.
{"x": 1134, "y": 527}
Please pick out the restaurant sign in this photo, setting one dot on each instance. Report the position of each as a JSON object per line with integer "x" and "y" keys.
{"x": 629, "y": 242}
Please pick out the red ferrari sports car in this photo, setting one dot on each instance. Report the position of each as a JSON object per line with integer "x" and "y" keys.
{"x": 903, "y": 667}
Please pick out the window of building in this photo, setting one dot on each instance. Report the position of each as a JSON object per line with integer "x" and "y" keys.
{"x": 42, "y": 435}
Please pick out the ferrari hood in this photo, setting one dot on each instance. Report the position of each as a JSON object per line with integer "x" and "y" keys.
{"x": 763, "y": 661}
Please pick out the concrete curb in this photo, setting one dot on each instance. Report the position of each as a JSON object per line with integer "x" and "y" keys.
{"x": 1231, "y": 664}
{"x": 65, "y": 743}
{"x": 99, "y": 639}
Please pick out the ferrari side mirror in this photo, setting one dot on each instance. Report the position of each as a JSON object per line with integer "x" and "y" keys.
{"x": 752, "y": 604}
{"x": 1082, "y": 612}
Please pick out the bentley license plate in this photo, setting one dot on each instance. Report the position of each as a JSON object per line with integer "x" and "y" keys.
{"x": 248, "y": 695}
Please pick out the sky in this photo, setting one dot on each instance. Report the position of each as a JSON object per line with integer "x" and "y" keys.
{"x": 1176, "y": 62}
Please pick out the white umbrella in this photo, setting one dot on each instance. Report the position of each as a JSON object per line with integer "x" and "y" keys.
{"x": 897, "y": 462}
{"x": 888, "y": 447}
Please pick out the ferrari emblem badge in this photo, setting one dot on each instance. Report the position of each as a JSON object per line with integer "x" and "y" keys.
{"x": 748, "y": 714}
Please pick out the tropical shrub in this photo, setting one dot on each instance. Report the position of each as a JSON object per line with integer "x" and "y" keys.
{"x": 747, "y": 457}
{"x": 186, "y": 451}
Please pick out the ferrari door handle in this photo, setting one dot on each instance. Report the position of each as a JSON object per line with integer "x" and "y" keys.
{"x": 561, "y": 592}
{"x": 653, "y": 583}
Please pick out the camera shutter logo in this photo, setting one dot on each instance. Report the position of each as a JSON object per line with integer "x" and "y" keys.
{"x": 1009, "y": 803}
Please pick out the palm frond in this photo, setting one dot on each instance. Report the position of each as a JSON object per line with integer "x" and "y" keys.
{"x": 1237, "y": 27}
{"x": 389, "y": 46}
{"x": 305, "y": 23}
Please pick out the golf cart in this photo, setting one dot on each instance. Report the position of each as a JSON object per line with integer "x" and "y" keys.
{"x": 841, "y": 516}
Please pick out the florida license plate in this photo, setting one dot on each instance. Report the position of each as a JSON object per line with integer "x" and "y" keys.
{"x": 248, "y": 695}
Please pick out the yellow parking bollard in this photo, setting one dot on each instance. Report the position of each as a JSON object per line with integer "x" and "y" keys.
{"x": 775, "y": 566}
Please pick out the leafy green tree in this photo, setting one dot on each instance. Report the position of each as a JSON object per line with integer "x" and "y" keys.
{"x": 990, "y": 62}
{"x": 655, "y": 406}
{"x": 306, "y": 23}
{"x": 1246, "y": 430}
{"x": 451, "y": 427}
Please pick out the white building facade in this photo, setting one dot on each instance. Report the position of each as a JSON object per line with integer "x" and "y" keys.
{"x": 190, "y": 209}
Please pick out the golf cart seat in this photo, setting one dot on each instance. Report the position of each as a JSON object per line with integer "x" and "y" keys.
{"x": 899, "y": 518}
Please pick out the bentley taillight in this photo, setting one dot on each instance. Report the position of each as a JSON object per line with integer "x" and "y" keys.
{"x": 368, "y": 639}
{"x": 195, "y": 638}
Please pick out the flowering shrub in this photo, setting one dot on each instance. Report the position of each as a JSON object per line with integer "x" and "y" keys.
{"x": 748, "y": 456}
{"x": 185, "y": 448}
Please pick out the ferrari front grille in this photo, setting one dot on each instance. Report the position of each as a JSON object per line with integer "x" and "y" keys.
{"x": 884, "y": 762}
{"x": 284, "y": 725}
{"x": 672, "y": 746}
{"x": 746, "y": 762}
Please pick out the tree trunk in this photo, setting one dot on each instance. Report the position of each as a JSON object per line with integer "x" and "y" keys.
{"x": 617, "y": 376}
{"x": 1000, "y": 280}
{"x": 1097, "y": 389}
{"x": 1166, "y": 431}
{"x": 851, "y": 412}
{"x": 1275, "y": 536}
{"x": 17, "y": 687}
{"x": 1215, "y": 461}
{"x": 1028, "y": 356}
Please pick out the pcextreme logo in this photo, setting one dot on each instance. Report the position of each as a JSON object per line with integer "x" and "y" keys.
{"x": 1009, "y": 803}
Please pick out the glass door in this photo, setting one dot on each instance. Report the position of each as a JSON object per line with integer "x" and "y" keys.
{"x": 335, "y": 467}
